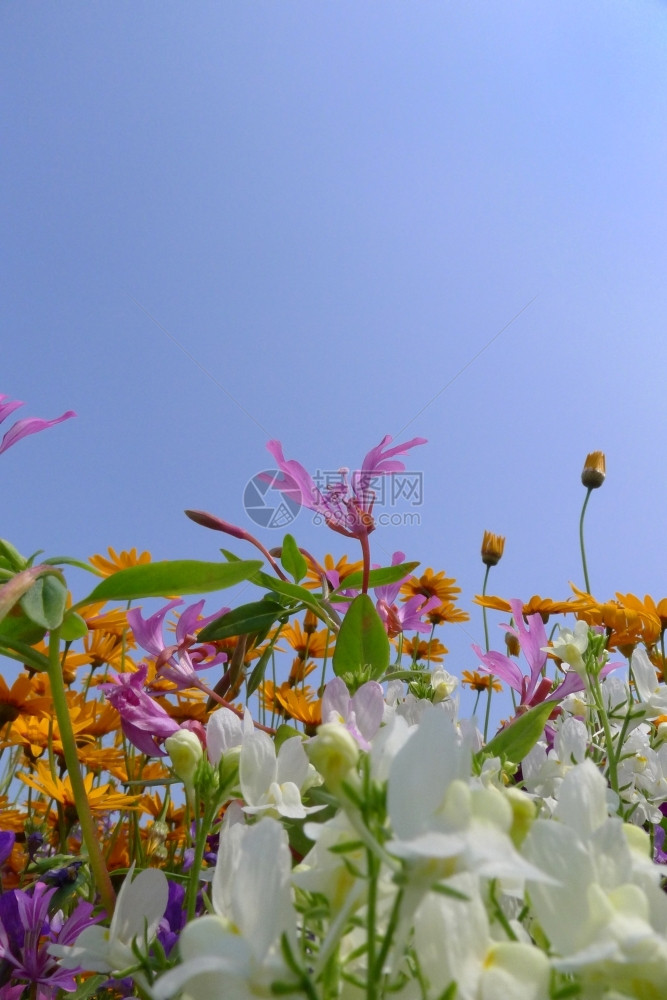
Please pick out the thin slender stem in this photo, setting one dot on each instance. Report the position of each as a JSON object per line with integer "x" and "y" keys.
{"x": 486, "y": 625}
{"x": 88, "y": 831}
{"x": 486, "y": 640}
{"x": 581, "y": 540}
{"x": 366, "y": 553}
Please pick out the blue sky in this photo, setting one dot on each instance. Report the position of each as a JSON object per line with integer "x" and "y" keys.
{"x": 323, "y": 222}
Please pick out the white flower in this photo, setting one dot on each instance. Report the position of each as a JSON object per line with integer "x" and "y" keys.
{"x": 224, "y": 733}
{"x": 453, "y": 944}
{"x": 139, "y": 908}
{"x": 235, "y": 952}
{"x": 438, "y": 812}
{"x": 444, "y": 685}
{"x": 273, "y": 783}
{"x": 607, "y": 914}
{"x": 570, "y": 647}
{"x": 652, "y": 695}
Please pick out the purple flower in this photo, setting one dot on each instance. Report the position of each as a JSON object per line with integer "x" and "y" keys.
{"x": 178, "y": 662}
{"x": 28, "y": 425}
{"x": 346, "y": 506}
{"x": 27, "y": 931}
{"x": 361, "y": 713}
{"x": 6, "y": 844}
{"x": 532, "y": 637}
{"x": 143, "y": 720}
{"x": 174, "y": 918}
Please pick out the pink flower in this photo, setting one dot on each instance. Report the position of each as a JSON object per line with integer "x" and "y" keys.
{"x": 28, "y": 425}
{"x": 346, "y": 505}
{"x": 361, "y": 713}
{"x": 178, "y": 662}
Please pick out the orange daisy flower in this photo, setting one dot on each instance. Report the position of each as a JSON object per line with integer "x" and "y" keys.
{"x": 479, "y": 682}
{"x": 21, "y": 699}
{"x": 118, "y": 560}
{"x": 430, "y": 584}
{"x": 431, "y": 650}
{"x": 446, "y": 612}
{"x": 308, "y": 644}
{"x": 35, "y": 735}
{"x": 543, "y": 606}
{"x": 342, "y": 567}
{"x": 299, "y": 671}
{"x": 627, "y": 623}
{"x": 301, "y": 704}
{"x": 101, "y": 798}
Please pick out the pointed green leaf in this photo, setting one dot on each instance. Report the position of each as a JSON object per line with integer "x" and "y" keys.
{"x": 378, "y": 577}
{"x": 362, "y": 646}
{"x": 248, "y": 618}
{"x": 166, "y": 579}
{"x": 297, "y": 593}
{"x": 293, "y": 561}
{"x": 258, "y": 671}
{"x": 45, "y": 602}
{"x": 514, "y": 742}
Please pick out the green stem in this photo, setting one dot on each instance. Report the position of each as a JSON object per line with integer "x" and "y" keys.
{"x": 602, "y": 712}
{"x": 371, "y": 981}
{"x": 486, "y": 641}
{"x": 486, "y": 625}
{"x": 88, "y": 831}
{"x": 581, "y": 540}
{"x": 366, "y": 554}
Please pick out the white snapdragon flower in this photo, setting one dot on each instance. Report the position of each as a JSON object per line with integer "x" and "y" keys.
{"x": 139, "y": 908}
{"x": 453, "y": 943}
{"x": 543, "y": 770}
{"x": 438, "y": 812}
{"x": 235, "y": 951}
{"x": 606, "y": 916}
{"x": 224, "y": 733}
{"x": 273, "y": 783}
{"x": 570, "y": 646}
{"x": 652, "y": 695}
{"x": 642, "y": 776}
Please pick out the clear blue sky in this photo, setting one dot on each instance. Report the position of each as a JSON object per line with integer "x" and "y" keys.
{"x": 225, "y": 222}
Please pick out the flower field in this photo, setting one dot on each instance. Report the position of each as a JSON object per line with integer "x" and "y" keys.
{"x": 282, "y": 797}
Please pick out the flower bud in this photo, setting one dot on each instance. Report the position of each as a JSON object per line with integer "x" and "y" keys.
{"x": 512, "y": 644}
{"x": 524, "y": 811}
{"x": 492, "y": 548}
{"x": 186, "y": 752}
{"x": 594, "y": 470}
{"x": 334, "y": 752}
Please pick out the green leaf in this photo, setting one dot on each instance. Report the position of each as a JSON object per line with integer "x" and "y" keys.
{"x": 73, "y": 627}
{"x": 165, "y": 579}
{"x": 11, "y": 556}
{"x": 297, "y": 593}
{"x": 293, "y": 561}
{"x": 248, "y": 618}
{"x": 362, "y": 646}
{"x": 24, "y": 654}
{"x": 285, "y": 732}
{"x": 378, "y": 577}
{"x": 45, "y": 602}
{"x": 258, "y": 671}
{"x": 16, "y": 626}
{"x": 514, "y": 742}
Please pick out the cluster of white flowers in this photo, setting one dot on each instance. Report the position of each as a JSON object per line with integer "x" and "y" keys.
{"x": 436, "y": 871}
